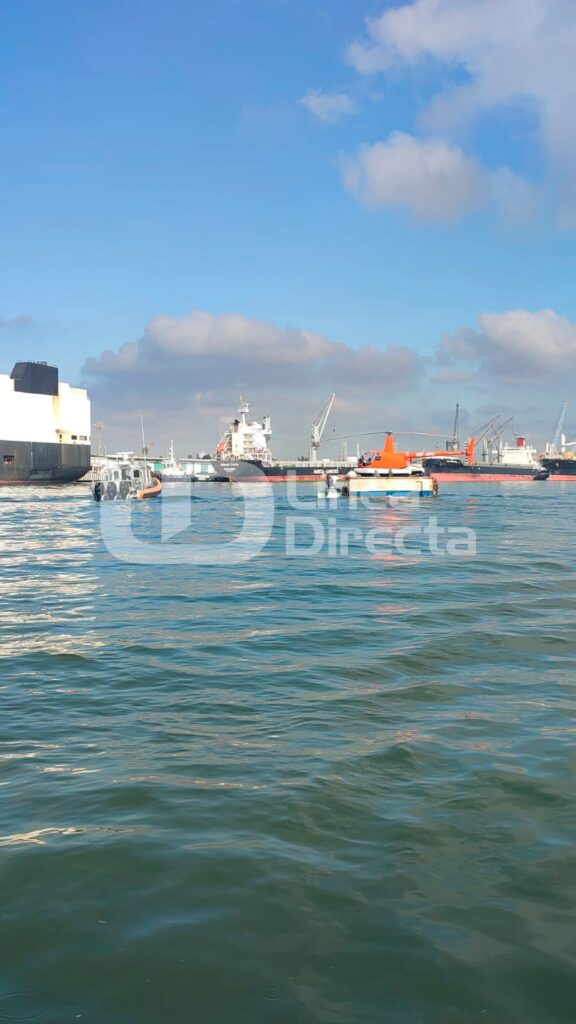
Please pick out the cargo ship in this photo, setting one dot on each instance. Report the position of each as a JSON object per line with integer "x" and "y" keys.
{"x": 243, "y": 453}
{"x": 44, "y": 427}
{"x": 499, "y": 461}
{"x": 561, "y": 467}
{"x": 559, "y": 458}
{"x": 503, "y": 462}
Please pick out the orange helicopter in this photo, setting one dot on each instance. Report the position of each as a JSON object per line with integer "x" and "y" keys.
{"x": 389, "y": 458}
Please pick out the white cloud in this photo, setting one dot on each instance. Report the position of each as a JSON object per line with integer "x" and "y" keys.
{"x": 432, "y": 179}
{"x": 190, "y": 370}
{"x": 185, "y": 374}
{"x": 240, "y": 349}
{"x": 516, "y": 199}
{"x": 496, "y": 53}
{"x": 467, "y": 32}
{"x": 514, "y": 344}
{"x": 329, "y": 107}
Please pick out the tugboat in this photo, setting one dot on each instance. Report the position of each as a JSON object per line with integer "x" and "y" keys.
{"x": 172, "y": 471}
{"x": 389, "y": 473}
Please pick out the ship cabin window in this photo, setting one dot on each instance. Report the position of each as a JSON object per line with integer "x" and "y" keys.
{"x": 116, "y": 474}
{"x": 83, "y": 437}
{"x": 8, "y": 460}
{"x": 136, "y": 472}
{"x": 74, "y": 437}
{"x": 125, "y": 474}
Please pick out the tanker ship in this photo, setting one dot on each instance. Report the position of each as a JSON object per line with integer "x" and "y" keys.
{"x": 44, "y": 427}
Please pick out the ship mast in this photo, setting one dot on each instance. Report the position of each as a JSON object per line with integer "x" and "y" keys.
{"x": 144, "y": 452}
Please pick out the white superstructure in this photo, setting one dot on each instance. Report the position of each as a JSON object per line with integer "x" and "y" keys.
{"x": 63, "y": 418}
{"x": 520, "y": 454}
{"x": 246, "y": 440}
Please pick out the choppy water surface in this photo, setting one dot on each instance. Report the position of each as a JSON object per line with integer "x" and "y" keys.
{"x": 336, "y": 789}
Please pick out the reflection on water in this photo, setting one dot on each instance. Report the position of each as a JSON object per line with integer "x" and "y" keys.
{"x": 301, "y": 788}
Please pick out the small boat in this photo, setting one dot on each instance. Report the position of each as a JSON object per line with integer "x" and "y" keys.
{"x": 124, "y": 478}
{"x": 389, "y": 473}
{"x": 172, "y": 471}
{"x": 331, "y": 489}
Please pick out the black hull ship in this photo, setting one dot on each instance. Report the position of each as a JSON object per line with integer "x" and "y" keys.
{"x": 445, "y": 469}
{"x": 243, "y": 454}
{"x": 253, "y": 470}
{"x": 44, "y": 427}
{"x": 560, "y": 468}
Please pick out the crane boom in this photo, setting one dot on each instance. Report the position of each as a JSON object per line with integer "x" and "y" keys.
{"x": 555, "y": 450}
{"x": 318, "y": 429}
{"x": 455, "y": 441}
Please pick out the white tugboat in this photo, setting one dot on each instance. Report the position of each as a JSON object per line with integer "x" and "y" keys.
{"x": 172, "y": 470}
{"x": 389, "y": 473}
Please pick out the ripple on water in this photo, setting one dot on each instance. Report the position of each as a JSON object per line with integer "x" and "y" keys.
{"x": 314, "y": 789}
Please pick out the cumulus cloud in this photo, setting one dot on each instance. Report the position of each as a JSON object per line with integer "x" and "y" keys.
{"x": 195, "y": 366}
{"x": 492, "y": 54}
{"x": 432, "y": 179}
{"x": 459, "y": 31}
{"x": 329, "y": 107}
{"x": 239, "y": 349}
{"x": 515, "y": 344}
{"x": 186, "y": 373}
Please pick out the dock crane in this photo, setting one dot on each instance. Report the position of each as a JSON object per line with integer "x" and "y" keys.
{"x": 318, "y": 429}
{"x": 556, "y": 447}
{"x": 453, "y": 443}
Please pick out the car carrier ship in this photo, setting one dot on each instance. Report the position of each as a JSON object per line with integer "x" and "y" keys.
{"x": 44, "y": 427}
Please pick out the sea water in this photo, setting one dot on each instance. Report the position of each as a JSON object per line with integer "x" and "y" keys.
{"x": 332, "y": 781}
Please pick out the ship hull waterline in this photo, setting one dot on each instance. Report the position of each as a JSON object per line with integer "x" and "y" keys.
{"x": 38, "y": 462}
{"x": 246, "y": 471}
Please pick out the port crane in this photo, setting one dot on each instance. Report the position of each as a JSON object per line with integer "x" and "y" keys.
{"x": 556, "y": 447}
{"x": 453, "y": 444}
{"x": 318, "y": 429}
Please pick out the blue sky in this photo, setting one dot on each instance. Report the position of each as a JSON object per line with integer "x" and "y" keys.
{"x": 158, "y": 159}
